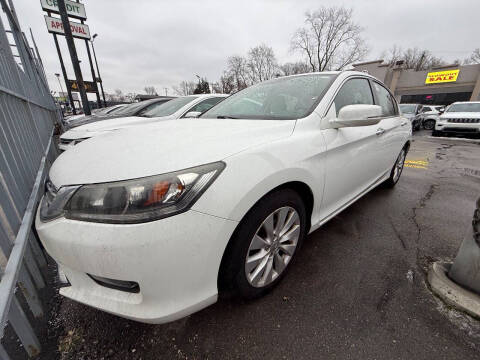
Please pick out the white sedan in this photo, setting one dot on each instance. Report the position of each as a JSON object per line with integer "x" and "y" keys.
{"x": 173, "y": 213}
{"x": 186, "y": 106}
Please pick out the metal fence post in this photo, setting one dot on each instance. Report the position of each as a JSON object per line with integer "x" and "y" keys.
{"x": 27, "y": 117}
{"x": 22, "y": 327}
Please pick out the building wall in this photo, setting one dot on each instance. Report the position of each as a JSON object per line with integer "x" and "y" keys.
{"x": 411, "y": 82}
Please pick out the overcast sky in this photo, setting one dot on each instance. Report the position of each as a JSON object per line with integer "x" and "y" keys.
{"x": 161, "y": 43}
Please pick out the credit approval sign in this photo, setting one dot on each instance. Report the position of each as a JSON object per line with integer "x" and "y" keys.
{"x": 55, "y": 25}
{"x": 74, "y": 9}
{"x": 442, "y": 76}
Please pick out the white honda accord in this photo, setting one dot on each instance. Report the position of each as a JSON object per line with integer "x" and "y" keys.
{"x": 173, "y": 213}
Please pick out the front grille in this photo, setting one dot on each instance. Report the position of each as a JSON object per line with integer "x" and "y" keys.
{"x": 460, "y": 130}
{"x": 464, "y": 121}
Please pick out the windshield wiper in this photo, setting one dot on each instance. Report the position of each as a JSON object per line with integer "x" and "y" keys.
{"x": 226, "y": 117}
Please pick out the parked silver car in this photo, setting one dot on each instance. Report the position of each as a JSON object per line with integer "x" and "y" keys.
{"x": 430, "y": 114}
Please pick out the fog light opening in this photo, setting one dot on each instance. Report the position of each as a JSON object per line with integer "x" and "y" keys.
{"x": 122, "y": 285}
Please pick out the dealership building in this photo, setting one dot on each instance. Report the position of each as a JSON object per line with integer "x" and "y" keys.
{"x": 437, "y": 86}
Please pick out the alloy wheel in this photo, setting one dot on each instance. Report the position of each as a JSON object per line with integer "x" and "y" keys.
{"x": 429, "y": 125}
{"x": 272, "y": 246}
{"x": 397, "y": 170}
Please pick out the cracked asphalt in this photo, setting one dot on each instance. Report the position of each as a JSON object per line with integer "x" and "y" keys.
{"x": 356, "y": 291}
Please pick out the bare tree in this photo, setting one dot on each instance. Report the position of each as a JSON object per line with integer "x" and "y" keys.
{"x": 119, "y": 95}
{"x": 185, "y": 88}
{"x": 261, "y": 63}
{"x": 475, "y": 57}
{"x": 226, "y": 84}
{"x": 130, "y": 97}
{"x": 150, "y": 90}
{"x": 295, "y": 68}
{"x": 330, "y": 39}
{"x": 413, "y": 58}
{"x": 238, "y": 70}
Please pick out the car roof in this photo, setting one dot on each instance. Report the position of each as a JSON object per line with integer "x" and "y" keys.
{"x": 207, "y": 95}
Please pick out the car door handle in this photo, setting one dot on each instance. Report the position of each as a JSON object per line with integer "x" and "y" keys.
{"x": 403, "y": 123}
{"x": 380, "y": 131}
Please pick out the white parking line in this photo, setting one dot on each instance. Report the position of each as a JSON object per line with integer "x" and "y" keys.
{"x": 476, "y": 141}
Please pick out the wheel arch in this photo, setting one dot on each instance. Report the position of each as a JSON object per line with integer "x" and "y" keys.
{"x": 307, "y": 196}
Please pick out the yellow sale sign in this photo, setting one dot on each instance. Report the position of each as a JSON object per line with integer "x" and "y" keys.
{"x": 442, "y": 76}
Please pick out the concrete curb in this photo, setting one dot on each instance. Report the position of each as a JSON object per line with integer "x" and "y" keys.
{"x": 452, "y": 293}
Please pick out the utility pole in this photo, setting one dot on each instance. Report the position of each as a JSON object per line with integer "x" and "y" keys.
{"x": 166, "y": 91}
{"x": 73, "y": 54}
{"x": 98, "y": 70}
{"x": 99, "y": 102}
{"x": 64, "y": 72}
{"x": 59, "y": 83}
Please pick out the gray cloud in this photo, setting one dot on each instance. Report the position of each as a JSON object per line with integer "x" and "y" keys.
{"x": 161, "y": 43}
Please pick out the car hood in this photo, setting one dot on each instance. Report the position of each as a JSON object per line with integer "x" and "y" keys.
{"x": 104, "y": 126}
{"x": 161, "y": 148}
{"x": 460, "y": 115}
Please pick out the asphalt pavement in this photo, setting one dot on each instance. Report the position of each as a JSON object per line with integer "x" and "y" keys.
{"x": 357, "y": 290}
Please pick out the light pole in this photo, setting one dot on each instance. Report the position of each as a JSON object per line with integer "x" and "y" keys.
{"x": 59, "y": 83}
{"x": 98, "y": 71}
{"x": 199, "y": 82}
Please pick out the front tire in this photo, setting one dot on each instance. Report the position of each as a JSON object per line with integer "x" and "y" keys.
{"x": 264, "y": 245}
{"x": 429, "y": 124}
{"x": 397, "y": 169}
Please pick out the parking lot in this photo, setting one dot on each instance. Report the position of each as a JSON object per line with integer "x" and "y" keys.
{"x": 357, "y": 289}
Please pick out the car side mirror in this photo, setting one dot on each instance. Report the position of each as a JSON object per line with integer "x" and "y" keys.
{"x": 358, "y": 115}
{"x": 193, "y": 114}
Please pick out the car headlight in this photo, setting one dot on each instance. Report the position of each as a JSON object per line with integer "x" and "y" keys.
{"x": 135, "y": 201}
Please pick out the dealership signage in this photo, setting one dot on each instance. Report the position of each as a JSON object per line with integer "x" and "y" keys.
{"x": 442, "y": 76}
{"x": 74, "y": 9}
{"x": 55, "y": 25}
{"x": 90, "y": 86}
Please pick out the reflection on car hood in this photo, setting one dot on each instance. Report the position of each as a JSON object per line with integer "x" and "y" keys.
{"x": 162, "y": 147}
{"x": 98, "y": 127}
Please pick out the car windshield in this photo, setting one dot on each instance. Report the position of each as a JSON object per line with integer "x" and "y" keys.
{"x": 280, "y": 99}
{"x": 132, "y": 108}
{"x": 465, "y": 107}
{"x": 114, "y": 110}
{"x": 169, "y": 107}
{"x": 408, "y": 108}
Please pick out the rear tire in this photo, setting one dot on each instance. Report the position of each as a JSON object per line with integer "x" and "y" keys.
{"x": 397, "y": 169}
{"x": 264, "y": 245}
{"x": 429, "y": 124}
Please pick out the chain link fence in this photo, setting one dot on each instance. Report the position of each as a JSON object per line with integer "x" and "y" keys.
{"x": 27, "y": 118}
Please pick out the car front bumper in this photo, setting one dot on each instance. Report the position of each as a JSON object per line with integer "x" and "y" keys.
{"x": 175, "y": 261}
{"x": 459, "y": 128}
